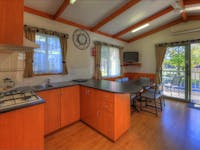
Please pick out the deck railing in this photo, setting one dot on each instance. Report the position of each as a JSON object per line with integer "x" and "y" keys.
{"x": 168, "y": 75}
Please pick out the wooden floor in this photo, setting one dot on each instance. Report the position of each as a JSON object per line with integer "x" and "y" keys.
{"x": 177, "y": 128}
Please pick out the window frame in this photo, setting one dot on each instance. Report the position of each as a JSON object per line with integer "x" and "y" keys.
{"x": 46, "y": 74}
{"x": 106, "y": 77}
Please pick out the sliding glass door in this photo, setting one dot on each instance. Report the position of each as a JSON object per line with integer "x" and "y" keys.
{"x": 181, "y": 72}
{"x": 195, "y": 73}
{"x": 174, "y": 72}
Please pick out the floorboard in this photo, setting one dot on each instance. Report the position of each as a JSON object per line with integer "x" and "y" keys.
{"x": 176, "y": 128}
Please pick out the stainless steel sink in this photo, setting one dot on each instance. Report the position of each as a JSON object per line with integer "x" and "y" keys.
{"x": 38, "y": 87}
{"x": 49, "y": 85}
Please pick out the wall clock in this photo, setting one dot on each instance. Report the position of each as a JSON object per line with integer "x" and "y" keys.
{"x": 81, "y": 39}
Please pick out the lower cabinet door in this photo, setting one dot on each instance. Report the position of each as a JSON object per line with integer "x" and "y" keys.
{"x": 52, "y": 109}
{"x": 22, "y": 129}
{"x": 106, "y": 123}
{"x": 89, "y": 105}
{"x": 70, "y": 105}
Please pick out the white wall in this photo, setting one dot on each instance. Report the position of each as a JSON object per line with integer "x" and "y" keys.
{"x": 146, "y": 46}
{"x": 80, "y": 62}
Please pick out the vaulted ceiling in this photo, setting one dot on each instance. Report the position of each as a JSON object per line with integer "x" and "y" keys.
{"x": 116, "y": 18}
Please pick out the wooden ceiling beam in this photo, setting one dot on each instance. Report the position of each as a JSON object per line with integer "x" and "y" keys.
{"x": 153, "y": 17}
{"x": 37, "y": 12}
{"x": 183, "y": 14}
{"x": 115, "y": 14}
{"x": 163, "y": 27}
{"x": 64, "y": 21}
{"x": 191, "y": 2}
{"x": 194, "y": 17}
{"x": 61, "y": 9}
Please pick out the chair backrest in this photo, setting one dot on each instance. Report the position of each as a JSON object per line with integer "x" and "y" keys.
{"x": 158, "y": 89}
{"x": 176, "y": 80}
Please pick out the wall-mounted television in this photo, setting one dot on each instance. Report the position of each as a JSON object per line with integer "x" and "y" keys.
{"x": 131, "y": 57}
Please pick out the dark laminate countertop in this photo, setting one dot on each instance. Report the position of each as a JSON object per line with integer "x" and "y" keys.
{"x": 24, "y": 105}
{"x": 104, "y": 85}
{"x": 127, "y": 87}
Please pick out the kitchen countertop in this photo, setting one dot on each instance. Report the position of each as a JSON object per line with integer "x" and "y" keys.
{"x": 16, "y": 107}
{"x": 104, "y": 85}
{"x": 127, "y": 87}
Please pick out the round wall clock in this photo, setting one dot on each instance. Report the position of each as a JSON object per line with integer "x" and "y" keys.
{"x": 81, "y": 39}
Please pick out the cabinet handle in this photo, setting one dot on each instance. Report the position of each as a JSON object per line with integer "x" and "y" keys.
{"x": 98, "y": 112}
{"x": 87, "y": 92}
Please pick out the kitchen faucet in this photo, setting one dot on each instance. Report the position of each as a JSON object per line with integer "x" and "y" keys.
{"x": 48, "y": 81}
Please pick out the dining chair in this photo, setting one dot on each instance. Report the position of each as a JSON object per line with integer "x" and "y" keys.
{"x": 175, "y": 84}
{"x": 145, "y": 82}
{"x": 153, "y": 98}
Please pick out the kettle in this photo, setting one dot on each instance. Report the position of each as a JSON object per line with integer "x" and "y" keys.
{"x": 8, "y": 83}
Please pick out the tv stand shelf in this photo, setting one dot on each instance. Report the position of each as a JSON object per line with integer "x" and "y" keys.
{"x": 132, "y": 64}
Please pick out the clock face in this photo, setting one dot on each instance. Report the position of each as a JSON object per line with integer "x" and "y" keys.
{"x": 81, "y": 39}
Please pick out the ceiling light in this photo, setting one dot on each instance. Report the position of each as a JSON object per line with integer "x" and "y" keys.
{"x": 192, "y": 8}
{"x": 140, "y": 28}
{"x": 72, "y": 1}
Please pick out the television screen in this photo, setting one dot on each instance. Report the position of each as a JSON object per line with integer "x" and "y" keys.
{"x": 130, "y": 57}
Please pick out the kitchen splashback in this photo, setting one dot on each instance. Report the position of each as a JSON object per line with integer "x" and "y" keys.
{"x": 11, "y": 66}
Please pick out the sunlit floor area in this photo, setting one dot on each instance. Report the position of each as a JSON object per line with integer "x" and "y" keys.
{"x": 176, "y": 128}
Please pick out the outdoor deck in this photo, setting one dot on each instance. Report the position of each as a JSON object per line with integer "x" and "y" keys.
{"x": 178, "y": 87}
{"x": 195, "y": 96}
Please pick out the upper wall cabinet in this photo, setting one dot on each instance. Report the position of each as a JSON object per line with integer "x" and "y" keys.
{"x": 11, "y": 26}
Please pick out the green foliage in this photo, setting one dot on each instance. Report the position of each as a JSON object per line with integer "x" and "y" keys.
{"x": 195, "y": 55}
{"x": 175, "y": 57}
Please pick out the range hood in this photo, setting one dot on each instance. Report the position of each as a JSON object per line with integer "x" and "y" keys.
{"x": 27, "y": 45}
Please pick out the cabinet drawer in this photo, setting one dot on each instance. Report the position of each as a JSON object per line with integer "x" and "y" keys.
{"x": 108, "y": 106}
{"x": 105, "y": 96}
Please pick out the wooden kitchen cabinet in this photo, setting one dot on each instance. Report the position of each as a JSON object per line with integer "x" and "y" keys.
{"x": 22, "y": 129}
{"x": 89, "y": 106}
{"x": 11, "y": 26}
{"x": 62, "y": 107}
{"x": 105, "y": 116}
{"x": 52, "y": 109}
{"x": 107, "y": 112}
{"x": 85, "y": 105}
{"x": 70, "y": 105}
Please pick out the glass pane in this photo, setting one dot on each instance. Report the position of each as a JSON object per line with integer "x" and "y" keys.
{"x": 173, "y": 72}
{"x": 47, "y": 58}
{"x": 195, "y": 73}
{"x": 114, "y": 62}
{"x": 110, "y": 61}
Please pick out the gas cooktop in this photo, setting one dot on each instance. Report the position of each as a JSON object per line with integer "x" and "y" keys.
{"x": 17, "y": 98}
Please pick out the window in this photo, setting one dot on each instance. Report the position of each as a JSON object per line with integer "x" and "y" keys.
{"x": 110, "y": 61}
{"x": 47, "y": 58}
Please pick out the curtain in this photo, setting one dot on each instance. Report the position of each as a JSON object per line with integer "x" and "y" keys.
{"x": 97, "y": 74}
{"x": 28, "y": 71}
{"x": 160, "y": 54}
{"x": 121, "y": 60}
{"x": 63, "y": 44}
{"x": 45, "y": 31}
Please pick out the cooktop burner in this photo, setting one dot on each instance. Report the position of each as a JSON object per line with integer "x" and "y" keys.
{"x": 17, "y": 97}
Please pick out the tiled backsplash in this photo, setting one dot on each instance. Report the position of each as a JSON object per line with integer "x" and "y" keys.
{"x": 12, "y": 66}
